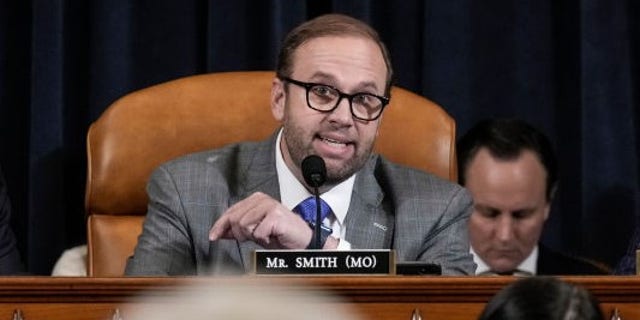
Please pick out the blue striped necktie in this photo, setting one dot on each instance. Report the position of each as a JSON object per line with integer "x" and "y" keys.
{"x": 307, "y": 209}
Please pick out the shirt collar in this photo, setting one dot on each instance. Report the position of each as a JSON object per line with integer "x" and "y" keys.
{"x": 293, "y": 191}
{"x": 528, "y": 265}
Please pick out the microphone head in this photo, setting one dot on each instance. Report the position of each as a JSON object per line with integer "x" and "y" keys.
{"x": 314, "y": 171}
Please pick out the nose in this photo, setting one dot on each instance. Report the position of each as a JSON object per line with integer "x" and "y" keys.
{"x": 342, "y": 113}
{"x": 505, "y": 228}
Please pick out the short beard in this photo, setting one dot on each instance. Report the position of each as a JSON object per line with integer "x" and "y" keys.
{"x": 353, "y": 165}
{"x": 298, "y": 150}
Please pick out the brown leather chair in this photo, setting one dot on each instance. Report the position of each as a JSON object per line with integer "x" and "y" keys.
{"x": 143, "y": 129}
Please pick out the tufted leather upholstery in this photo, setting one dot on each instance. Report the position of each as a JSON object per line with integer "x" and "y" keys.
{"x": 145, "y": 128}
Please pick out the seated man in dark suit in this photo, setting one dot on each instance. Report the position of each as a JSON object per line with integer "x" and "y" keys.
{"x": 510, "y": 169}
{"x": 627, "y": 264}
{"x": 10, "y": 262}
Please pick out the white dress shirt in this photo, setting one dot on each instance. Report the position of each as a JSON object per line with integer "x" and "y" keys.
{"x": 527, "y": 267}
{"x": 292, "y": 192}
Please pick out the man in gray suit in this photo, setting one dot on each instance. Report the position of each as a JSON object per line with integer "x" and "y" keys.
{"x": 208, "y": 211}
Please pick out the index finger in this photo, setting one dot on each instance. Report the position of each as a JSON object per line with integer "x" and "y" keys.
{"x": 221, "y": 229}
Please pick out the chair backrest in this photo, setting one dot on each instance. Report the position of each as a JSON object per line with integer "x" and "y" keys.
{"x": 145, "y": 128}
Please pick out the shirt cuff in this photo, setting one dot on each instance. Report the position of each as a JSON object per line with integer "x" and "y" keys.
{"x": 343, "y": 245}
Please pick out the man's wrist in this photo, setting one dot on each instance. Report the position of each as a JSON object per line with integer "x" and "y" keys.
{"x": 331, "y": 243}
{"x": 325, "y": 233}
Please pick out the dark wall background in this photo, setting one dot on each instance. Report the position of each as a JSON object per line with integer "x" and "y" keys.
{"x": 568, "y": 67}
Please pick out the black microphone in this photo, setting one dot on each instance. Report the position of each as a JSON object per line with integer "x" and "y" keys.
{"x": 314, "y": 171}
{"x": 315, "y": 174}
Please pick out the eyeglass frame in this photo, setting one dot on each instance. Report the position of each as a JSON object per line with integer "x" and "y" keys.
{"x": 308, "y": 85}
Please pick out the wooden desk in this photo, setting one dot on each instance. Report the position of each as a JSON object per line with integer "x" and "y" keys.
{"x": 376, "y": 297}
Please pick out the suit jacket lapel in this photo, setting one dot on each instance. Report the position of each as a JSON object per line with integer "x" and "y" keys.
{"x": 259, "y": 167}
{"x": 369, "y": 222}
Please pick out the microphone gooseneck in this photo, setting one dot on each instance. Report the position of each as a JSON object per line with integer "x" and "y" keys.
{"x": 314, "y": 172}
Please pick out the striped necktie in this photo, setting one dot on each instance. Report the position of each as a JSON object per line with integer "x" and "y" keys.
{"x": 307, "y": 209}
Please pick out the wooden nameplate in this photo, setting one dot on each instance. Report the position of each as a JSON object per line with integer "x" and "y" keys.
{"x": 324, "y": 262}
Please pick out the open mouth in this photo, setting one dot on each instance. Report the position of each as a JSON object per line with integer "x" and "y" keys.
{"x": 334, "y": 148}
{"x": 333, "y": 142}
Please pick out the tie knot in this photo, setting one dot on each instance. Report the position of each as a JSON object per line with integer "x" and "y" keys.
{"x": 307, "y": 209}
{"x": 506, "y": 273}
{"x": 515, "y": 272}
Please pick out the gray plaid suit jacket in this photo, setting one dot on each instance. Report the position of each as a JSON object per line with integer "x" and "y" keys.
{"x": 422, "y": 217}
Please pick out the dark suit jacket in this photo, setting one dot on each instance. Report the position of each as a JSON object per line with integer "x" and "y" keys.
{"x": 422, "y": 217}
{"x": 627, "y": 264}
{"x": 10, "y": 262}
{"x": 552, "y": 262}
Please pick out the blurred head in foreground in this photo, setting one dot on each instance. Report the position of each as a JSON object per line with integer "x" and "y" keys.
{"x": 542, "y": 298}
{"x": 238, "y": 302}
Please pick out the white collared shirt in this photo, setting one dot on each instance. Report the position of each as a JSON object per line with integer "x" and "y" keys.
{"x": 527, "y": 266}
{"x": 292, "y": 192}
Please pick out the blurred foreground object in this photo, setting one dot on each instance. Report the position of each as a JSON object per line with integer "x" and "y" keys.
{"x": 263, "y": 301}
{"x": 542, "y": 298}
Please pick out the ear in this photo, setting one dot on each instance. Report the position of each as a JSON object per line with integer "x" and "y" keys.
{"x": 547, "y": 208}
{"x": 552, "y": 195}
{"x": 379, "y": 124}
{"x": 278, "y": 99}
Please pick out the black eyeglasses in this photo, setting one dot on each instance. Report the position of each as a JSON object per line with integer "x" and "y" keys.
{"x": 324, "y": 98}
